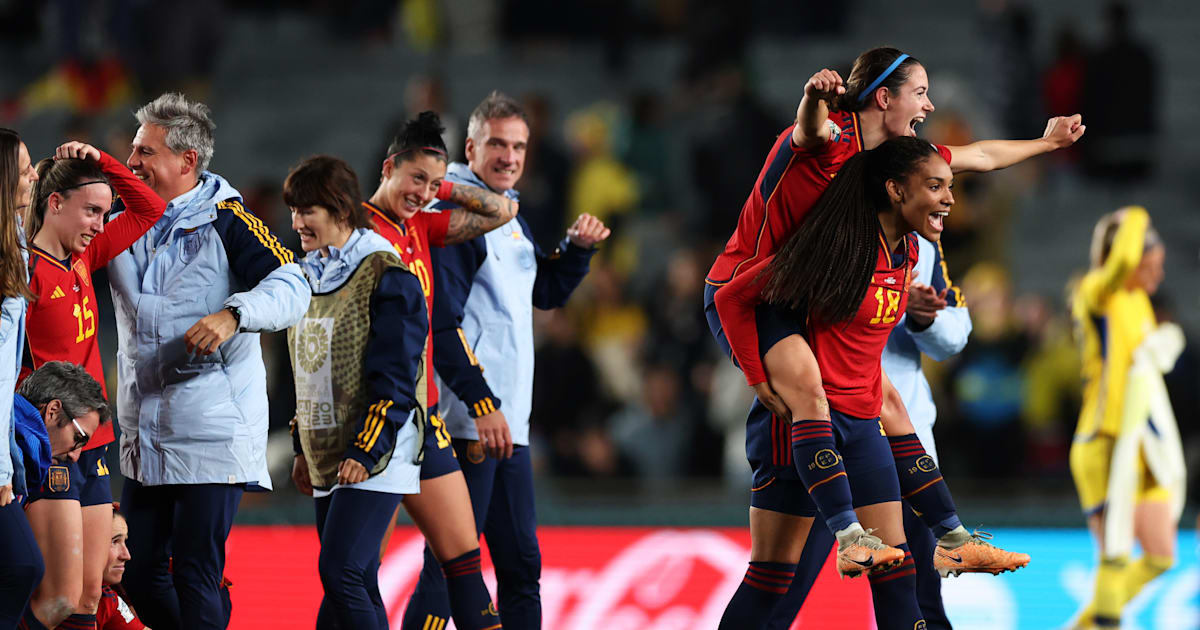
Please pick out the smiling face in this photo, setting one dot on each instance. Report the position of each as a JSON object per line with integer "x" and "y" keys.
{"x": 167, "y": 173}
{"x": 76, "y": 216}
{"x": 26, "y": 176}
{"x": 118, "y": 551}
{"x": 908, "y": 105}
{"x": 924, "y": 198}
{"x": 497, "y": 156}
{"x": 318, "y": 229}
{"x": 411, "y": 185}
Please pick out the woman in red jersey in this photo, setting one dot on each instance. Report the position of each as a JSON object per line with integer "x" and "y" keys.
{"x": 68, "y": 240}
{"x": 114, "y": 612}
{"x": 846, "y": 266}
{"x": 886, "y": 96}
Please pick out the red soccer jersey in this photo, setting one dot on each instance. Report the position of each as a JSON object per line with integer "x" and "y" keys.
{"x": 848, "y": 353}
{"x": 788, "y": 185}
{"x": 114, "y": 613}
{"x": 61, "y": 324}
{"x": 412, "y": 240}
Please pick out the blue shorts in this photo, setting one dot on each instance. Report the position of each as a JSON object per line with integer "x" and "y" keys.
{"x": 777, "y": 487}
{"x": 773, "y": 323}
{"x": 439, "y": 453}
{"x": 96, "y": 488}
{"x": 63, "y": 482}
{"x": 86, "y": 481}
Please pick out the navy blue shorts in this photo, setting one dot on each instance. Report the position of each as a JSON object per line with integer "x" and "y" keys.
{"x": 63, "y": 481}
{"x": 777, "y": 487}
{"x": 773, "y": 323}
{"x": 95, "y": 488}
{"x": 439, "y": 452}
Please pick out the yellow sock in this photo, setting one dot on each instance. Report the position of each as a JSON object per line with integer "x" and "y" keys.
{"x": 1110, "y": 589}
{"x": 1139, "y": 573}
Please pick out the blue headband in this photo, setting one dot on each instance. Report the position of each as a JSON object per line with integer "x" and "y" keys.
{"x": 876, "y": 82}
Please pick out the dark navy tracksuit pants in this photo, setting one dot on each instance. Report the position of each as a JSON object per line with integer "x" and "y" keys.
{"x": 177, "y": 546}
{"x": 502, "y": 499}
{"x": 351, "y": 524}
{"x": 816, "y": 549}
{"x": 21, "y": 565}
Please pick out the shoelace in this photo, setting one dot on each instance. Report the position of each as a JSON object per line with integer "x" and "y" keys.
{"x": 981, "y": 537}
{"x": 866, "y": 539}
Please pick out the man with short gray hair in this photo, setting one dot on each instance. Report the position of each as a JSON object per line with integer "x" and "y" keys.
{"x": 70, "y": 401}
{"x": 191, "y": 297}
{"x": 487, "y": 289}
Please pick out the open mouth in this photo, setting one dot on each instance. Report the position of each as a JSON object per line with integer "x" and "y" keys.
{"x": 937, "y": 220}
{"x": 912, "y": 124}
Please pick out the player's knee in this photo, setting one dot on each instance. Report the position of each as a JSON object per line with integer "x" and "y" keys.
{"x": 90, "y": 599}
{"x": 338, "y": 574}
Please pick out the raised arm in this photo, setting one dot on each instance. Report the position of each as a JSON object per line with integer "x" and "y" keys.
{"x": 476, "y": 211}
{"x": 1123, "y": 257}
{"x": 562, "y": 271}
{"x": 990, "y": 155}
{"x": 142, "y": 207}
{"x": 812, "y": 130}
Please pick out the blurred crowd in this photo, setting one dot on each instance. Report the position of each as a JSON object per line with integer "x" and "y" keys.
{"x": 628, "y": 381}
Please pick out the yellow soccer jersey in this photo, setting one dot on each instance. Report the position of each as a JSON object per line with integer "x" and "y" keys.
{"x": 1111, "y": 322}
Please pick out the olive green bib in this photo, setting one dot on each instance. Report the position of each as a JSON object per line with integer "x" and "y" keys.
{"x": 328, "y": 349}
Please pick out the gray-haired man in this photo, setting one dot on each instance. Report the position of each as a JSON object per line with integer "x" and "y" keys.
{"x": 191, "y": 297}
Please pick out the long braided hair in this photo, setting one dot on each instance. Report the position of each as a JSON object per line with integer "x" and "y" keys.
{"x": 827, "y": 264}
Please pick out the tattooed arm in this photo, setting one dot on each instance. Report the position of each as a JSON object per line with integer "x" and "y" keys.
{"x": 479, "y": 211}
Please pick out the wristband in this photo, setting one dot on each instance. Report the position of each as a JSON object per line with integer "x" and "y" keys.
{"x": 443, "y": 192}
{"x": 237, "y": 314}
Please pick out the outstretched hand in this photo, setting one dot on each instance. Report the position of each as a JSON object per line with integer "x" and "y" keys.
{"x": 77, "y": 150}
{"x": 826, "y": 85}
{"x": 1063, "y": 131}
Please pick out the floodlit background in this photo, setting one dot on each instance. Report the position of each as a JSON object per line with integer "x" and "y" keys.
{"x": 656, "y": 115}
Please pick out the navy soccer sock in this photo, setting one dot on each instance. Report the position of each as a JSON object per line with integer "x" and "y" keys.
{"x": 895, "y": 597}
{"x": 78, "y": 622}
{"x": 820, "y": 468}
{"x": 470, "y": 604}
{"x": 764, "y": 585}
{"x": 921, "y": 484}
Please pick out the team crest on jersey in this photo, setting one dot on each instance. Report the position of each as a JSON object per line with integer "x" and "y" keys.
{"x": 59, "y": 479}
{"x": 475, "y": 452}
{"x": 313, "y": 346}
{"x": 925, "y": 464}
{"x": 82, "y": 272}
{"x": 826, "y": 458}
{"x": 920, "y": 625}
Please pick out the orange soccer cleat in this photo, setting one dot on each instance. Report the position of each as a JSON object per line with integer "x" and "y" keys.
{"x": 976, "y": 555}
{"x": 865, "y": 552}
